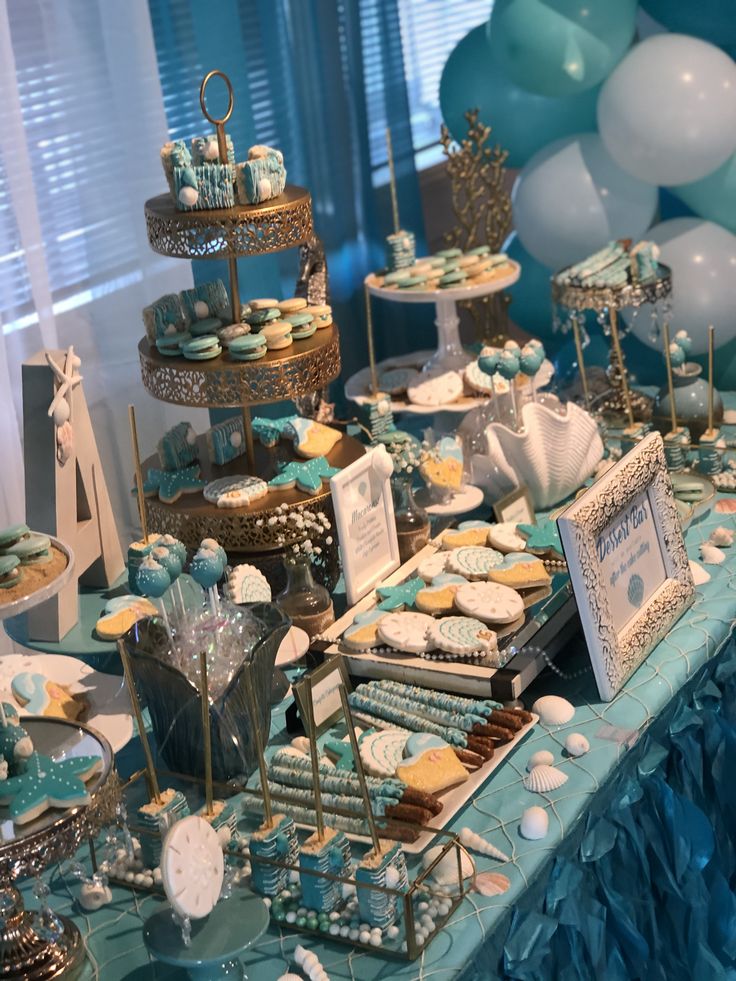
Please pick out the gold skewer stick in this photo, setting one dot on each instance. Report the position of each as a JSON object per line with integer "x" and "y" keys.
{"x": 204, "y": 694}
{"x": 620, "y": 356}
{"x": 670, "y": 384}
{"x": 581, "y": 362}
{"x": 359, "y": 770}
{"x": 151, "y": 778}
{"x": 232, "y": 266}
{"x": 711, "y": 333}
{"x": 138, "y": 472}
{"x": 250, "y": 450}
{"x": 256, "y": 730}
{"x": 392, "y": 180}
{"x": 314, "y": 757}
{"x": 371, "y": 346}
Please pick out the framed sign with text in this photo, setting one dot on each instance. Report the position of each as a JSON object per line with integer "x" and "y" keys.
{"x": 366, "y": 528}
{"x": 628, "y": 565}
{"x": 516, "y": 508}
{"x": 325, "y": 682}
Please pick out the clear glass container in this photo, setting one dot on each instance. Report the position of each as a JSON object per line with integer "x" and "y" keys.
{"x": 412, "y": 521}
{"x": 306, "y": 602}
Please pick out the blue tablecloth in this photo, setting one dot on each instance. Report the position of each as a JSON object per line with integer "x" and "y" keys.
{"x": 633, "y": 879}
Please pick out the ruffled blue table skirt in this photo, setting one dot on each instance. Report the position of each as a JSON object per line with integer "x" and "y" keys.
{"x": 644, "y": 886}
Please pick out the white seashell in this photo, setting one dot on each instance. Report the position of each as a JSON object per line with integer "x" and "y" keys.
{"x": 553, "y": 710}
{"x": 94, "y": 895}
{"x": 552, "y": 455}
{"x": 473, "y": 841}
{"x": 302, "y": 744}
{"x": 188, "y": 196}
{"x": 289, "y": 976}
{"x": 576, "y": 744}
{"x": 492, "y": 884}
{"x": 700, "y": 575}
{"x": 62, "y": 411}
{"x": 723, "y": 537}
{"x": 445, "y": 872}
{"x": 711, "y": 554}
{"x": 542, "y": 757}
{"x": 542, "y": 779}
{"x": 534, "y": 824}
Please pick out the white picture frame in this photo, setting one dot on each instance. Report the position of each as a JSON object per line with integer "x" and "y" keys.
{"x": 366, "y": 527}
{"x": 628, "y": 566}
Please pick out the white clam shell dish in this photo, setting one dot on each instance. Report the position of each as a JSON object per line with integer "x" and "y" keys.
{"x": 553, "y": 710}
{"x": 542, "y": 779}
{"x": 542, "y": 757}
{"x": 534, "y": 823}
{"x": 576, "y": 744}
{"x": 552, "y": 454}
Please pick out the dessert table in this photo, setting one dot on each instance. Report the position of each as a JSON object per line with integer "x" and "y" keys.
{"x": 633, "y": 877}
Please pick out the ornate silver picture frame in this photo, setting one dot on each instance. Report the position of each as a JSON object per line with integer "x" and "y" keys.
{"x": 628, "y": 565}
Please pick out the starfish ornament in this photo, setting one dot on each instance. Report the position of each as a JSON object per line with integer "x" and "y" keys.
{"x": 307, "y": 476}
{"x": 48, "y": 783}
{"x": 66, "y": 377}
{"x": 397, "y": 597}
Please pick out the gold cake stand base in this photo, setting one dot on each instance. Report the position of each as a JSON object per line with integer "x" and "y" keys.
{"x": 27, "y": 956}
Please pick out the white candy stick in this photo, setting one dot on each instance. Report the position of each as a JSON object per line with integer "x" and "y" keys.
{"x": 165, "y": 618}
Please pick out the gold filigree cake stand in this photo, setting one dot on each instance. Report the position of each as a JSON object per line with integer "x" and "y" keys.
{"x": 55, "y": 835}
{"x": 620, "y": 403}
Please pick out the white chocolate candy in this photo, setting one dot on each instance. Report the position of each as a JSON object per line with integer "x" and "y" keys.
{"x": 192, "y": 867}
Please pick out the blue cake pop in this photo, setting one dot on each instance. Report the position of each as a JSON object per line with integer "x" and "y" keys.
{"x": 206, "y": 568}
{"x": 169, "y": 560}
{"x": 508, "y": 365}
{"x": 684, "y": 340}
{"x": 531, "y": 360}
{"x": 512, "y": 346}
{"x": 488, "y": 360}
{"x": 152, "y": 579}
{"x": 677, "y": 355}
{"x": 536, "y": 344}
{"x": 214, "y": 546}
{"x": 174, "y": 545}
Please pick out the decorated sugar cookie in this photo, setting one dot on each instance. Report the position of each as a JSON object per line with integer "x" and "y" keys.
{"x": 462, "y": 636}
{"x": 489, "y": 601}
{"x": 542, "y": 538}
{"x": 247, "y": 584}
{"x": 306, "y": 476}
{"x": 171, "y": 484}
{"x": 467, "y": 533}
{"x": 407, "y": 632}
{"x": 432, "y": 565}
{"x": 38, "y": 695}
{"x": 520, "y": 570}
{"x": 47, "y": 783}
{"x": 192, "y": 867}
{"x": 506, "y": 538}
{"x": 442, "y": 466}
{"x": 473, "y": 562}
{"x": 312, "y": 438}
{"x": 362, "y": 634}
{"x": 436, "y": 389}
{"x": 438, "y": 598}
{"x": 120, "y": 615}
{"x": 395, "y": 381}
{"x": 235, "y": 492}
{"x": 401, "y": 596}
{"x": 381, "y": 750}
{"x": 432, "y": 770}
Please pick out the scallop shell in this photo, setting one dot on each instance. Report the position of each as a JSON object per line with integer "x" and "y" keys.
{"x": 534, "y": 823}
{"x": 553, "y": 710}
{"x": 476, "y": 843}
{"x": 492, "y": 883}
{"x": 542, "y": 757}
{"x": 542, "y": 779}
{"x": 723, "y": 537}
{"x": 700, "y": 575}
{"x": 445, "y": 872}
{"x": 711, "y": 554}
{"x": 553, "y": 454}
{"x": 576, "y": 744}
{"x": 302, "y": 744}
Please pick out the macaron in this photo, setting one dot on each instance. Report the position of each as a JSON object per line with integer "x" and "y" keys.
{"x": 468, "y": 261}
{"x": 292, "y": 305}
{"x": 12, "y": 534}
{"x": 210, "y": 325}
{"x": 396, "y": 277}
{"x": 264, "y": 303}
{"x": 33, "y": 549}
{"x": 479, "y": 250}
{"x": 249, "y": 347}
{"x": 9, "y": 571}
{"x": 453, "y": 278}
{"x": 322, "y": 315}
{"x": 435, "y": 261}
{"x": 449, "y": 253}
{"x": 227, "y": 334}
{"x": 170, "y": 344}
{"x": 201, "y": 348}
{"x": 258, "y": 318}
{"x": 412, "y": 282}
{"x": 277, "y": 335}
{"x": 302, "y": 325}
{"x": 421, "y": 268}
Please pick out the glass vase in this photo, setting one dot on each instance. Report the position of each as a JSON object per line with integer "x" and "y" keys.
{"x": 305, "y": 601}
{"x": 412, "y": 521}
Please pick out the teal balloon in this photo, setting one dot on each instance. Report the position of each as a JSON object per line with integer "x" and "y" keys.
{"x": 531, "y": 294}
{"x": 713, "y": 197}
{"x": 560, "y": 47}
{"x": 522, "y": 122}
{"x": 711, "y": 20}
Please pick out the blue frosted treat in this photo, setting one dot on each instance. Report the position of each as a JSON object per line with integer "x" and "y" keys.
{"x": 223, "y": 815}
{"x": 530, "y": 360}
{"x": 387, "y": 869}
{"x": 205, "y": 150}
{"x": 400, "y": 250}
{"x": 206, "y": 300}
{"x": 170, "y": 345}
{"x": 684, "y": 340}
{"x": 279, "y": 843}
{"x": 164, "y": 317}
{"x": 677, "y": 355}
{"x": 508, "y": 364}
{"x": 226, "y": 441}
{"x": 174, "y": 545}
{"x": 137, "y": 551}
{"x": 152, "y": 579}
{"x": 178, "y": 447}
{"x": 204, "y": 188}
{"x": 261, "y": 177}
{"x": 214, "y": 546}
{"x": 488, "y": 360}
{"x": 331, "y": 854}
{"x": 169, "y": 561}
{"x": 206, "y": 568}
{"x": 156, "y": 819}
{"x": 174, "y": 154}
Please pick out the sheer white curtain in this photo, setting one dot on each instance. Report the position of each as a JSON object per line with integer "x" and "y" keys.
{"x": 82, "y": 120}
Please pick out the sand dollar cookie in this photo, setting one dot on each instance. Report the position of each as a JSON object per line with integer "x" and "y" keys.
{"x": 473, "y": 562}
{"x": 462, "y": 636}
{"x": 436, "y": 389}
{"x": 407, "y": 632}
{"x": 395, "y": 381}
{"x": 192, "y": 867}
{"x": 433, "y": 565}
{"x": 362, "y": 634}
{"x": 490, "y": 602}
{"x": 466, "y": 533}
{"x": 506, "y": 538}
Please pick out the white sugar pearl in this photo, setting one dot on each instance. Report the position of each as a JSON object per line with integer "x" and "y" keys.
{"x": 267, "y": 902}
{"x": 121, "y": 855}
{"x": 334, "y": 915}
{"x": 354, "y": 934}
{"x": 419, "y": 938}
{"x": 443, "y": 909}
{"x": 286, "y": 894}
{"x": 365, "y": 926}
{"x": 302, "y": 911}
{"x": 148, "y": 881}
{"x": 334, "y": 930}
{"x": 376, "y": 940}
{"x": 344, "y": 931}
{"x": 293, "y": 877}
{"x": 393, "y": 932}
{"x": 138, "y": 878}
{"x": 364, "y": 936}
{"x": 291, "y": 916}
{"x": 422, "y": 907}
{"x": 129, "y": 876}
{"x": 188, "y": 196}
{"x": 426, "y": 920}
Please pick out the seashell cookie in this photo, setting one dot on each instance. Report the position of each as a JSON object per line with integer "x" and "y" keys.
{"x": 247, "y": 584}
{"x": 543, "y": 779}
{"x": 462, "y": 636}
{"x": 473, "y": 562}
{"x": 381, "y": 751}
{"x": 466, "y": 533}
{"x": 235, "y": 492}
{"x": 362, "y": 634}
{"x": 490, "y": 602}
{"x": 506, "y": 538}
{"x": 407, "y": 632}
{"x": 436, "y": 389}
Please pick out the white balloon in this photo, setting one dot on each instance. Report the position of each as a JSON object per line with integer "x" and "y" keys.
{"x": 702, "y": 256}
{"x": 667, "y": 112}
{"x": 571, "y": 198}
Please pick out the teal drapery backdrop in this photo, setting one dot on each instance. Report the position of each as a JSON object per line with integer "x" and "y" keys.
{"x": 297, "y": 69}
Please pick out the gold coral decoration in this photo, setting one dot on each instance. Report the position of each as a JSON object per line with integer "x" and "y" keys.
{"x": 482, "y": 207}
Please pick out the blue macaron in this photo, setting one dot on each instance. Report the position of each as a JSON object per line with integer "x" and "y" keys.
{"x": 248, "y": 347}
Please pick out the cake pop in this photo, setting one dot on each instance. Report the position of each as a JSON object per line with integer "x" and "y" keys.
{"x": 214, "y": 546}
{"x": 174, "y": 545}
{"x": 488, "y": 360}
{"x": 677, "y": 355}
{"x": 206, "y": 568}
{"x": 152, "y": 579}
{"x": 508, "y": 364}
{"x": 684, "y": 340}
{"x": 169, "y": 560}
{"x": 530, "y": 360}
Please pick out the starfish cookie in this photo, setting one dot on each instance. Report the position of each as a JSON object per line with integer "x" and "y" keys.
{"x": 397, "y": 597}
{"x": 171, "y": 484}
{"x": 542, "y": 538}
{"x": 270, "y": 431}
{"x": 48, "y": 783}
{"x": 307, "y": 476}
